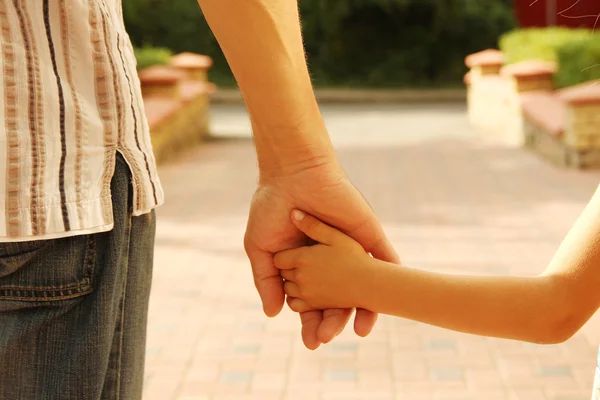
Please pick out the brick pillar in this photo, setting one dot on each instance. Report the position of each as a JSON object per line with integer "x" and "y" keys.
{"x": 485, "y": 63}
{"x": 582, "y": 116}
{"x": 530, "y": 75}
{"x": 195, "y": 66}
{"x": 161, "y": 81}
{"x": 196, "y": 91}
{"x": 523, "y": 77}
{"x": 483, "y": 97}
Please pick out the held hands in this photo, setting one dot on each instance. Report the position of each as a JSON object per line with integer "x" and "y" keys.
{"x": 335, "y": 273}
{"x": 323, "y": 190}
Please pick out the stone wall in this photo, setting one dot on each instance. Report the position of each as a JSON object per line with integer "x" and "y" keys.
{"x": 177, "y": 103}
{"x": 518, "y": 106}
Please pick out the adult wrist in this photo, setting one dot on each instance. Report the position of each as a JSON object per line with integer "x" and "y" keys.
{"x": 292, "y": 161}
{"x": 288, "y": 151}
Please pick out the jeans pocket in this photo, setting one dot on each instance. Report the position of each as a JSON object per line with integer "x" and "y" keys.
{"x": 47, "y": 270}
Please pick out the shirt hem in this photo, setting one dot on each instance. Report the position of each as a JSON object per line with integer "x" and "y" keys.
{"x": 59, "y": 235}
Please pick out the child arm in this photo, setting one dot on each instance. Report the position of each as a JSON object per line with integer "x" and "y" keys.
{"x": 548, "y": 308}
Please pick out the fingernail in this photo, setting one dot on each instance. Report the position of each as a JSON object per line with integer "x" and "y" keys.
{"x": 298, "y": 215}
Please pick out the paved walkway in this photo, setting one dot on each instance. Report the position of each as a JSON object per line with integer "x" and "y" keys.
{"x": 449, "y": 201}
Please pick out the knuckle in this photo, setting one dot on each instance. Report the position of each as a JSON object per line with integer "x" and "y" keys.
{"x": 296, "y": 306}
{"x": 306, "y": 291}
{"x": 303, "y": 295}
{"x": 309, "y": 296}
{"x": 299, "y": 277}
{"x": 301, "y": 261}
{"x": 247, "y": 243}
{"x": 313, "y": 224}
{"x": 257, "y": 283}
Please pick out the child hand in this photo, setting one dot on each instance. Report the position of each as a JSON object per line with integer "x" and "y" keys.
{"x": 331, "y": 274}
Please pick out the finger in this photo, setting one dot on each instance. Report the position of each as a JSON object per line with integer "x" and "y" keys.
{"x": 288, "y": 259}
{"x": 382, "y": 249}
{"x": 364, "y": 321}
{"x": 310, "y": 325}
{"x": 315, "y": 229}
{"x": 288, "y": 274}
{"x": 334, "y": 322}
{"x": 298, "y": 305}
{"x": 291, "y": 289}
{"x": 372, "y": 237}
{"x": 267, "y": 280}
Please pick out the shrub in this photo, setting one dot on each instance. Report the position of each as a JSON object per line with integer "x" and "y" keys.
{"x": 578, "y": 62}
{"x": 538, "y": 43}
{"x": 576, "y": 51}
{"x": 148, "y": 56}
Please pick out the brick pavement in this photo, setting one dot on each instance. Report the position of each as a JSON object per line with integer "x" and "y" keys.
{"x": 449, "y": 202}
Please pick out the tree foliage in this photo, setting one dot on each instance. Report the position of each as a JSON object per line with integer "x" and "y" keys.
{"x": 349, "y": 42}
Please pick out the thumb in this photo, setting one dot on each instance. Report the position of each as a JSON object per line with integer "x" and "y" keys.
{"x": 374, "y": 240}
{"x": 383, "y": 250}
{"x": 372, "y": 237}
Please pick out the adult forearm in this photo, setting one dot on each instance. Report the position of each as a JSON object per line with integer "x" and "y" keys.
{"x": 522, "y": 308}
{"x": 262, "y": 42}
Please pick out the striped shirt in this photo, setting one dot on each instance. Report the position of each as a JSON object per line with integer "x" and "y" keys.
{"x": 70, "y": 99}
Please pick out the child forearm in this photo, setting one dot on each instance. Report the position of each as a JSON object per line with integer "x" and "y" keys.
{"x": 523, "y": 308}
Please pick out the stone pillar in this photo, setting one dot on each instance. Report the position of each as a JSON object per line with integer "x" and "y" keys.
{"x": 195, "y": 66}
{"x": 485, "y": 90}
{"x": 195, "y": 93}
{"x": 528, "y": 76}
{"x": 164, "y": 120}
{"x": 161, "y": 89}
{"x": 161, "y": 81}
{"x": 485, "y": 63}
{"x": 582, "y": 116}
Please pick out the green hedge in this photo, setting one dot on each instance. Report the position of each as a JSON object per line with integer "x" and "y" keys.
{"x": 577, "y": 51}
{"x": 148, "y": 56}
{"x": 349, "y": 42}
{"x": 579, "y": 62}
{"x": 538, "y": 43}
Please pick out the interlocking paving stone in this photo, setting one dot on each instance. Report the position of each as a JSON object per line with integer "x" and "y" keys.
{"x": 449, "y": 200}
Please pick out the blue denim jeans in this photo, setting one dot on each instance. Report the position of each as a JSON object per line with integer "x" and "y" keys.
{"x": 73, "y": 311}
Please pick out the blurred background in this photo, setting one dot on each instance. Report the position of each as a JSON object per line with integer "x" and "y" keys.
{"x": 471, "y": 126}
{"x": 355, "y": 43}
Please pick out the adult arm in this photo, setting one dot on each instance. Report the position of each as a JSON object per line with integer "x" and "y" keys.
{"x": 262, "y": 42}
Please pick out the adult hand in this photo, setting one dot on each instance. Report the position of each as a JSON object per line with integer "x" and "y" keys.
{"x": 322, "y": 190}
